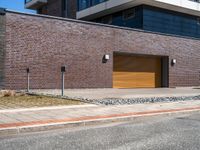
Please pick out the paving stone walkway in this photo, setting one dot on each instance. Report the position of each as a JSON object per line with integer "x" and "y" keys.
{"x": 110, "y": 93}
{"x": 112, "y": 96}
{"x": 27, "y": 117}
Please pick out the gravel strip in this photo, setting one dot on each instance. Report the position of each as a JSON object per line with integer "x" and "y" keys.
{"x": 129, "y": 101}
{"x": 143, "y": 100}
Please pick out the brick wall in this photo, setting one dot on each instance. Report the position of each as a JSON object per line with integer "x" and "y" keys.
{"x": 45, "y": 44}
{"x": 2, "y": 48}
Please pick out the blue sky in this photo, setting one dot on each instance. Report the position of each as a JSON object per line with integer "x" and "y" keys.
{"x": 17, "y": 5}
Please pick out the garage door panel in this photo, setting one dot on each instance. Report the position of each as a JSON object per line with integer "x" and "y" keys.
{"x": 136, "y": 72}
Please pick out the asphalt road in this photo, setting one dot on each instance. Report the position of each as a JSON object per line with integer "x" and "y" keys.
{"x": 174, "y": 132}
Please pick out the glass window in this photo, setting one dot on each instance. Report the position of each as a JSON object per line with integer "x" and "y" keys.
{"x": 95, "y": 2}
{"x": 83, "y": 4}
{"x": 128, "y": 14}
{"x": 107, "y": 19}
{"x": 198, "y": 21}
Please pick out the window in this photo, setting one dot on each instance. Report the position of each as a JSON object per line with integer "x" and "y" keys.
{"x": 198, "y": 21}
{"x": 128, "y": 14}
{"x": 198, "y": 1}
{"x": 95, "y": 2}
{"x": 64, "y": 5}
{"x": 83, "y": 4}
{"x": 107, "y": 19}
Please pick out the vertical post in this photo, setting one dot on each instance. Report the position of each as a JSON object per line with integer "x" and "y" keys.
{"x": 63, "y": 83}
{"x": 28, "y": 80}
{"x": 63, "y": 80}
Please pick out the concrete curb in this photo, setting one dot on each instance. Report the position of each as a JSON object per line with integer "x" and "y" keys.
{"x": 88, "y": 122}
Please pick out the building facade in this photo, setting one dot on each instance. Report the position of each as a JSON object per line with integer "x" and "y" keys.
{"x": 2, "y": 45}
{"x": 95, "y": 55}
{"x": 59, "y": 8}
{"x": 111, "y": 44}
{"x": 165, "y": 16}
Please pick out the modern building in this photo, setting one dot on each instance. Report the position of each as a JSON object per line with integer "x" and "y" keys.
{"x": 179, "y": 17}
{"x": 111, "y": 44}
{"x": 59, "y": 8}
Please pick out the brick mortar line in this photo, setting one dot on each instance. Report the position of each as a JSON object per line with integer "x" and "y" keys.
{"x": 93, "y": 118}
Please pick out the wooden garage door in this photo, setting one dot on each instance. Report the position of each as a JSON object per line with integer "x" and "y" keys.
{"x": 136, "y": 72}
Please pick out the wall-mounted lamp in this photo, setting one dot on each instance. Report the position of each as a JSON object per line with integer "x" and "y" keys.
{"x": 173, "y": 62}
{"x": 63, "y": 68}
{"x": 27, "y": 70}
{"x": 106, "y": 57}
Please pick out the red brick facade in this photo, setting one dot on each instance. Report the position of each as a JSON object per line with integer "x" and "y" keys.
{"x": 44, "y": 44}
{"x": 2, "y": 48}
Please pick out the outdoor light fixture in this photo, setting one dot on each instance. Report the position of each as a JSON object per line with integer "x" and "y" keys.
{"x": 63, "y": 69}
{"x": 106, "y": 57}
{"x": 27, "y": 70}
{"x": 174, "y": 62}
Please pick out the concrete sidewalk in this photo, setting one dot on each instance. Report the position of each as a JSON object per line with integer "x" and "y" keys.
{"x": 111, "y": 93}
{"x": 29, "y": 120}
{"x": 112, "y": 96}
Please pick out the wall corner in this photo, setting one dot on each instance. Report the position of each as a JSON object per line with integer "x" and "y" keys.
{"x": 2, "y": 45}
